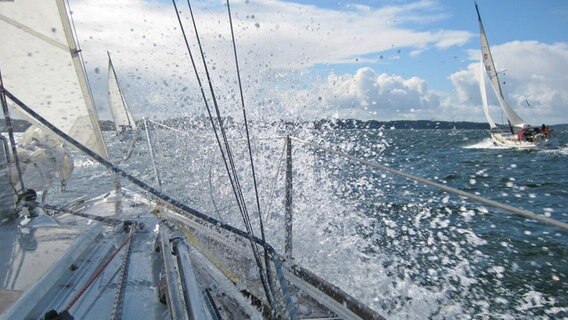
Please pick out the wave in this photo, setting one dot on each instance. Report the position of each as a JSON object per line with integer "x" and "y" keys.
{"x": 562, "y": 151}
{"x": 485, "y": 144}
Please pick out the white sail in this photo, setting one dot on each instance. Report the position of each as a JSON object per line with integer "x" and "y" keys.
{"x": 483, "y": 92}
{"x": 489, "y": 65}
{"x": 41, "y": 65}
{"x": 117, "y": 103}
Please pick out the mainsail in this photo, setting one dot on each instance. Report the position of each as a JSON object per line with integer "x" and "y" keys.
{"x": 489, "y": 65}
{"x": 41, "y": 66}
{"x": 117, "y": 103}
{"x": 484, "y": 95}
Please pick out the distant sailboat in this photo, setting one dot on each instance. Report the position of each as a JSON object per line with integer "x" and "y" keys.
{"x": 454, "y": 130}
{"x": 123, "y": 120}
{"x": 517, "y": 134}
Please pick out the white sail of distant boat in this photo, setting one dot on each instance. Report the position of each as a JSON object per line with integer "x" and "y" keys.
{"x": 121, "y": 115}
{"x": 56, "y": 86}
{"x": 489, "y": 65}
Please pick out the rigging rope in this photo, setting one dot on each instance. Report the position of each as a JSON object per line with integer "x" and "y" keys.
{"x": 167, "y": 127}
{"x": 233, "y": 171}
{"x": 271, "y": 192}
{"x": 230, "y": 167}
{"x": 10, "y": 130}
{"x": 268, "y": 205}
{"x": 261, "y": 224}
{"x": 205, "y": 101}
{"x": 212, "y": 197}
{"x": 109, "y": 220}
{"x": 187, "y": 133}
{"x": 149, "y": 138}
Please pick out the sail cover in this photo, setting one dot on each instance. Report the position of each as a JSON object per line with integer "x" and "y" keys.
{"x": 489, "y": 65}
{"x": 41, "y": 65}
{"x": 117, "y": 103}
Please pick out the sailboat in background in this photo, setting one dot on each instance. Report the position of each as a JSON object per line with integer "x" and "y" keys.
{"x": 517, "y": 133}
{"x": 122, "y": 117}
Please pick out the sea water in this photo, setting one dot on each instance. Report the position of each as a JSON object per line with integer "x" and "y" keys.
{"x": 407, "y": 250}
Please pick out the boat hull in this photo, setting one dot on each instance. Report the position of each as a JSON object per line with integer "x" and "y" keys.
{"x": 511, "y": 141}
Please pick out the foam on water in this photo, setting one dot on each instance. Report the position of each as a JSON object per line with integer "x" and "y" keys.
{"x": 484, "y": 144}
{"x": 562, "y": 151}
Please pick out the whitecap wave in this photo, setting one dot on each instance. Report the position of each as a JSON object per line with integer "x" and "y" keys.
{"x": 484, "y": 144}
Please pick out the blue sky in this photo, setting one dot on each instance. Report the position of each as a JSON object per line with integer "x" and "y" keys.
{"x": 504, "y": 21}
{"x": 384, "y": 59}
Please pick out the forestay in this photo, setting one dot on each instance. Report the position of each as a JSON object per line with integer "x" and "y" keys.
{"x": 41, "y": 65}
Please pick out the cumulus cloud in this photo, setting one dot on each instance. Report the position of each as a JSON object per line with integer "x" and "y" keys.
{"x": 533, "y": 71}
{"x": 277, "y": 41}
{"x": 370, "y": 95}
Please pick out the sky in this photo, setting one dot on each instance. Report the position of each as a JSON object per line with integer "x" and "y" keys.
{"x": 382, "y": 59}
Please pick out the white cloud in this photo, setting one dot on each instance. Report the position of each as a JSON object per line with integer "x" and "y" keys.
{"x": 533, "y": 71}
{"x": 281, "y": 43}
{"x": 367, "y": 95}
{"x": 276, "y": 41}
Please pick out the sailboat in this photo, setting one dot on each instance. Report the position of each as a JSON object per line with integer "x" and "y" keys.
{"x": 123, "y": 254}
{"x": 121, "y": 115}
{"x": 516, "y": 133}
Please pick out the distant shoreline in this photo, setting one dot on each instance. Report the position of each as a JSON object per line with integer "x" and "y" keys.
{"x": 399, "y": 124}
{"x": 107, "y": 125}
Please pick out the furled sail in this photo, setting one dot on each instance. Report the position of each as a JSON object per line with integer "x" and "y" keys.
{"x": 483, "y": 92}
{"x": 489, "y": 65}
{"x": 121, "y": 115}
{"x": 41, "y": 65}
